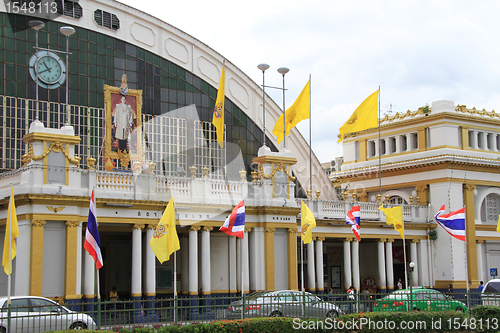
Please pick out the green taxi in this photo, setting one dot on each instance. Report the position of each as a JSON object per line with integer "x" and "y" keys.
{"x": 421, "y": 299}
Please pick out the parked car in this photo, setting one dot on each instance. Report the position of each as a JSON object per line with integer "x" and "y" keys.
{"x": 282, "y": 303}
{"x": 491, "y": 293}
{"x": 38, "y": 314}
{"x": 421, "y": 299}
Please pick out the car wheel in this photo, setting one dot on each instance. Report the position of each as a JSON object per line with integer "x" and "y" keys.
{"x": 78, "y": 326}
{"x": 276, "y": 314}
{"x": 332, "y": 314}
{"x": 3, "y": 330}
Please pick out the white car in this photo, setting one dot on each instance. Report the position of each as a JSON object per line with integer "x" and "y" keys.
{"x": 491, "y": 293}
{"x": 38, "y": 314}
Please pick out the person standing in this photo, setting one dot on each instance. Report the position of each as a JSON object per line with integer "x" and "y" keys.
{"x": 123, "y": 122}
{"x": 350, "y": 298}
{"x": 400, "y": 284}
{"x": 481, "y": 287}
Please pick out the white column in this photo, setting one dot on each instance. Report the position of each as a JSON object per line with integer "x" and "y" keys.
{"x": 22, "y": 261}
{"x": 320, "y": 281}
{"x": 355, "y": 265}
{"x": 480, "y": 267}
{"x": 79, "y": 261}
{"x": 150, "y": 283}
{"x": 233, "y": 268}
{"x": 347, "y": 263}
{"x": 88, "y": 286}
{"x": 193, "y": 260}
{"x": 389, "y": 265}
{"x": 311, "y": 278}
{"x": 184, "y": 251}
{"x": 423, "y": 267}
{"x": 205, "y": 261}
{"x": 376, "y": 154}
{"x": 256, "y": 248}
{"x": 381, "y": 265}
{"x": 137, "y": 260}
{"x": 414, "y": 258}
{"x": 246, "y": 262}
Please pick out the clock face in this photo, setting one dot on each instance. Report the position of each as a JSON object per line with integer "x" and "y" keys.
{"x": 50, "y": 69}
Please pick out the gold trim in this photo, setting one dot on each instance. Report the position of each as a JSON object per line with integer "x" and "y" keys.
{"x": 56, "y": 147}
{"x": 279, "y": 167}
{"x": 269, "y": 257}
{"x": 45, "y": 137}
{"x": 274, "y": 159}
{"x": 207, "y": 228}
{"x": 71, "y": 258}
{"x": 138, "y": 226}
{"x": 194, "y": 228}
{"x": 291, "y": 240}
{"x": 36, "y": 263}
{"x": 72, "y": 224}
{"x": 468, "y": 193}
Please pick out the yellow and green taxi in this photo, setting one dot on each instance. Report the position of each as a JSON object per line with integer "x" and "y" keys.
{"x": 421, "y": 299}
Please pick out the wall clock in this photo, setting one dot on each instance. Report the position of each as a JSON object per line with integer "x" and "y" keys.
{"x": 51, "y": 69}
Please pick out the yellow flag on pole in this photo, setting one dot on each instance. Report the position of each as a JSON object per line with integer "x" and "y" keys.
{"x": 299, "y": 111}
{"x": 365, "y": 116}
{"x": 498, "y": 225}
{"x": 218, "y": 117}
{"x": 11, "y": 229}
{"x": 394, "y": 217}
{"x": 308, "y": 223}
{"x": 165, "y": 240}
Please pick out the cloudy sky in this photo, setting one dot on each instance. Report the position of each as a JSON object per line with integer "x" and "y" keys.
{"x": 416, "y": 51}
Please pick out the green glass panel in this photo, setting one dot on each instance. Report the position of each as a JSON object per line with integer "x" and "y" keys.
{"x": 73, "y": 96}
{"x": 164, "y": 82}
{"x": 21, "y": 73}
{"x": 92, "y": 48}
{"x": 172, "y": 68}
{"x": 100, "y": 99}
{"x": 101, "y": 71}
{"x": 73, "y": 81}
{"x": 181, "y": 84}
{"x": 110, "y": 52}
{"x": 1, "y": 87}
{"x": 73, "y": 67}
{"x": 21, "y": 59}
{"x": 101, "y": 49}
{"x": 172, "y": 83}
{"x": 52, "y": 27}
{"x": 110, "y": 41}
{"x": 204, "y": 87}
{"x": 1, "y": 30}
{"x": 83, "y": 82}
{"x": 93, "y": 84}
{"x": 140, "y": 53}
{"x": 9, "y": 32}
{"x": 21, "y": 89}
{"x": 10, "y": 88}
{"x": 83, "y": 69}
{"x": 92, "y": 59}
{"x": 83, "y": 98}
{"x": 110, "y": 61}
{"x": 21, "y": 21}
{"x": 10, "y": 44}
{"x": 10, "y": 72}
{"x": 189, "y": 87}
{"x": 181, "y": 72}
{"x": 156, "y": 60}
{"x": 83, "y": 34}
{"x": 83, "y": 45}
{"x": 93, "y": 70}
{"x": 73, "y": 44}
{"x": 93, "y": 36}
{"x": 110, "y": 75}
{"x": 83, "y": 56}
{"x": 101, "y": 39}
{"x": 149, "y": 57}
{"x": 93, "y": 100}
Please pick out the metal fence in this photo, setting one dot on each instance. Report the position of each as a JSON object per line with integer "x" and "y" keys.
{"x": 184, "y": 310}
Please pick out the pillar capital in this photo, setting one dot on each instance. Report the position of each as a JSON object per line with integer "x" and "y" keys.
{"x": 292, "y": 231}
{"x": 415, "y": 240}
{"x": 248, "y": 229}
{"x": 321, "y": 239}
{"x": 479, "y": 241}
{"x": 348, "y": 239}
{"x": 38, "y": 223}
{"x": 269, "y": 230}
{"x": 390, "y": 240}
{"x": 207, "y": 228}
{"x": 72, "y": 224}
{"x": 194, "y": 228}
{"x": 382, "y": 240}
{"x": 138, "y": 226}
{"x": 469, "y": 187}
{"x": 151, "y": 226}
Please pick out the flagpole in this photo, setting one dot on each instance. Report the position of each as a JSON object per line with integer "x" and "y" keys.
{"x": 10, "y": 256}
{"x": 379, "y": 149}
{"x": 310, "y": 138}
{"x": 466, "y": 261}
{"x": 175, "y": 287}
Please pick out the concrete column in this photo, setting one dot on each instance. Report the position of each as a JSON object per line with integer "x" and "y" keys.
{"x": 246, "y": 261}
{"x": 356, "y": 281}
{"x": 232, "y": 264}
{"x": 150, "y": 276}
{"x": 184, "y": 243}
{"x": 347, "y": 263}
{"x": 320, "y": 280}
{"x": 193, "y": 260}
{"x": 389, "y": 268}
{"x": 137, "y": 261}
{"x": 71, "y": 262}
{"x": 206, "y": 273}
{"x": 257, "y": 260}
{"x": 480, "y": 267}
{"x": 414, "y": 258}
{"x": 311, "y": 278}
{"x": 423, "y": 266}
{"x": 381, "y": 266}
{"x": 36, "y": 257}
{"x": 292, "y": 258}
{"x": 89, "y": 286}
{"x": 470, "y": 226}
{"x": 269, "y": 257}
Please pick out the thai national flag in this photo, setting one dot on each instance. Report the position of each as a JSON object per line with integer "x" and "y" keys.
{"x": 92, "y": 243}
{"x": 352, "y": 218}
{"x": 235, "y": 223}
{"x": 453, "y": 223}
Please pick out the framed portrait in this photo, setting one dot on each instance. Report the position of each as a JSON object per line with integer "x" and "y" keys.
{"x": 123, "y": 123}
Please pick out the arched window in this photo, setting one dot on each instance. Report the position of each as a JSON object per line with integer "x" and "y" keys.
{"x": 490, "y": 209}
{"x": 396, "y": 200}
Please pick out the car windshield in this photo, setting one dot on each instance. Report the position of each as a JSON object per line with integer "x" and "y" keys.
{"x": 492, "y": 287}
{"x": 256, "y": 295}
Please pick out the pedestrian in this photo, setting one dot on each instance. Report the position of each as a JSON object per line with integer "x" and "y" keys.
{"x": 400, "y": 284}
{"x": 450, "y": 291}
{"x": 350, "y": 298}
{"x": 481, "y": 287}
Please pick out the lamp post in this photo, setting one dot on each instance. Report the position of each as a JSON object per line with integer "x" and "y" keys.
{"x": 412, "y": 267}
{"x": 67, "y": 31}
{"x": 283, "y": 71}
{"x": 263, "y": 68}
{"x": 36, "y": 25}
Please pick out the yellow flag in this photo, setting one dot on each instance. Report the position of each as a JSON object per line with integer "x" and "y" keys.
{"x": 12, "y": 229}
{"x": 365, "y": 116}
{"x": 394, "y": 217}
{"x": 218, "y": 117}
{"x": 294, "y": 114}
{"x": 498, "y": 225}
{"x": 165, "y": 240}
{"x": 308, "y": 223}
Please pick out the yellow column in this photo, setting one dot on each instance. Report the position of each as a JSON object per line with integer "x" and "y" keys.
{"x": 465, "y": 138}
{"x": 71, "y": 253}
{"x": 269, "y": 257}
{"x": 470, "y": 234}
{"x": 292, "y": 258}
{"x": 421, "y": 139}
{"x": 36, "y": 264}
{"x": 362, "y": 150}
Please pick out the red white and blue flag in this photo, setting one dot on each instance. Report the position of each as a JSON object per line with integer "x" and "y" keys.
{"x": 235, "y": 223}
{"x": 352, "y": 219}
{"x": 453, "y": 223}
{"x": 92, "y": 243}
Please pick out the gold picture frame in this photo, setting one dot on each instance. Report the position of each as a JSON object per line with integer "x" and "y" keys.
{"x": 114, "y": 142}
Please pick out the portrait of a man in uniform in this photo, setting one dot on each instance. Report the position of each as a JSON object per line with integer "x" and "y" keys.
{"x": 124, "y": 122}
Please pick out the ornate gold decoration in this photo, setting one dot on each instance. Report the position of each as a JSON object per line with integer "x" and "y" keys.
{"x": 205, "y": 171}
{"x": 381, "y": 240}
{"x": 321, "y": 239}
{"x": 248, "y": 229}
{"x": 336, "y": 257}
{"x": 309, "y": 194}
{"x": 269, "y": 230}
{"x": 151, "y": 166}
{"x": 348, "y": 239}
{"x": 38, "y": 223}
{"x": 151, "y": 226}
{"x": 401, "y": 116}
{"x": 194, "y": 228}
{"x": 207, "y": 228}
{"x": 345, "y": 195}
{"x": 363, "y": 197}
{"x": 278, "y": 167}
{"x": 55, "y": 209}
{"x": 243, "y": 175}
{"x": 411, "y": 200}
{"x": 72, "y": 224}
{"x": 478, "y": 241}
{"x": 483, "y": 112}
{"x": 56, "y": 147}
{"x": 91, "y": 162}
{"x": 379, "y": 198}
{"x": 108, "y": 166}
{"x": 292, "y": 231}
{"x": 353, "y": 196}
{"x": 414, "y": 240}
{"x": 138, "y": 226}
{"x": 469, "y": 187}
{"x": 193, "y": 169}
{"x": 386, "y": 198}
{"x": 318, "y": 194}
{"x": 137, "y": 166}
{"x": 124, "y": 157}
{"x": 256, "y": 176}
{"x": 390, "y": 240}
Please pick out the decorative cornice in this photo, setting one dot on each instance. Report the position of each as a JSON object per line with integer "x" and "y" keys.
{"x": 348, "y": 239}
{"x": 138, "y": 226}
{"x": 390, "y": 240}
{"x": 207, "y": 228}
{"x": 414, "y": 240}
{"x": 151, "y": 226}
{"x": 292, "y": 231}
{"x": 72, "y": 224}
{"x": 38, "y": 223}
{"x": 56, "y": 147}
{"x": 382, "y": 240}
{"x": 479, "y": 241}
{"x": 194, "y": 228}
{"x": 269, "y": 230}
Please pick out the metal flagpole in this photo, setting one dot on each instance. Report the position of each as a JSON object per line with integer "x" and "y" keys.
{"x": 379, "y": 150}
{"x": 10, "y": 262}
{"x": 241, "y": 276}
{"x": 310, "y": 138}
{"x": 466, "y": 261}
{"x": 175, "y": 287}
{"x": 98, "y": 301}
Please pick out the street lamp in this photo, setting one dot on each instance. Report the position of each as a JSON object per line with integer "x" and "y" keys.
{"x": 263, "y": 68}
{"x": 67, "y": 31}
{"x": 36, "y": 25}
{"x": 283, "y": 71}
{"x": 412, "y": 267}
